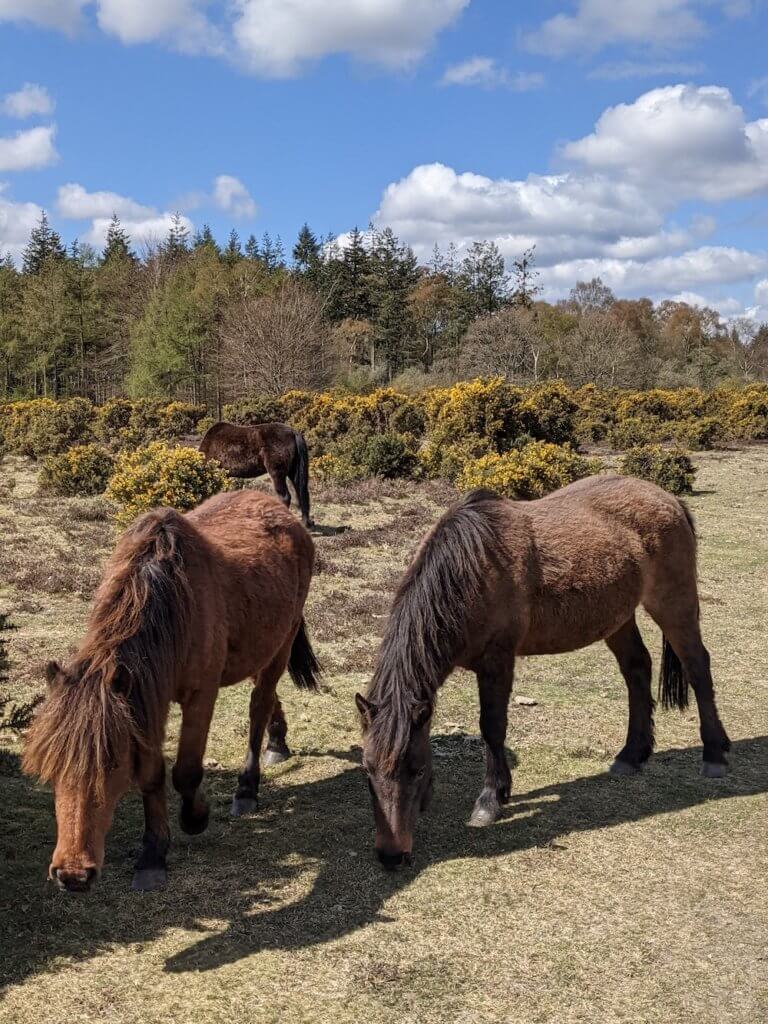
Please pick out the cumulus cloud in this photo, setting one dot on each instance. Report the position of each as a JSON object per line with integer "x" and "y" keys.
{"x": 62, "y": 15}
{"x": 76, "y": 203}
{"x": 28, "y": 150}
{"x": 600, "y": 23}
{"x": 693, "y": 141}
{"x": 182, "y": 23}
{"x": 489, "y": 74}
{"x": 16, "y": 223}
{"x": 231, "y": 195}
{"x": 276, "y": 38}
{"x": 142, "y": 223}
{"x": 31, "y": 99}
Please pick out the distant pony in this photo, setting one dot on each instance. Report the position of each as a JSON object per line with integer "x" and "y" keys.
{"x": 273, "y": 448}
{"x": 187, "y": 604}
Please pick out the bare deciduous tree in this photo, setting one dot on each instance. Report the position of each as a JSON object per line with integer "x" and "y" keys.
{"x": 600, "y": 350}
{"x": 273, "y": 343}
{"x": 508, "y": 343}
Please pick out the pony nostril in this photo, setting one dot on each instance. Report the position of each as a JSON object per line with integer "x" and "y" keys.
{"x": 390, "y": 861}
{"x": 77, "y": 880}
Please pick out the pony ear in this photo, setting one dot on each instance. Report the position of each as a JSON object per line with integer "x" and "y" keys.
{"x": 421, "y": 714}
{"x": 52, "y": 669}
{"x": 366, "y": 709}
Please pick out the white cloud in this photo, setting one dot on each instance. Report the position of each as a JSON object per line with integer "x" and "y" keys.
{"x": 693, "y": 141}
{"x": 277, "y": 38}
{"x": 761, "y": 293}
{"x": 600, "y": 23}
{"x": 645, "y": 69}
{"x": 16, "y": 223}
{"x": 141, "y": 230}
{"x": 488, "y": 73}
{"x": 758, "y": 87}
{"x": 231, "y": 195}
{"x": 181, "y": 23}
{"x": 28, "y": 150}
{"x": 62, "y": 15}
{"x": 31, "y": 99}
{"x": 75, "y": 203}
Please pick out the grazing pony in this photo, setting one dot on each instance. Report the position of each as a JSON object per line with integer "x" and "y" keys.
{"x": 273, "y": 448}
{"x": 187, "y": 604}
{"x": 497, "y": 579}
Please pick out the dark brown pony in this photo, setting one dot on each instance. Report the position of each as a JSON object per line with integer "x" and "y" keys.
{"x": 188, "y": 604}
{"x": 498, "y": 579}
{"x": 273, "y": 448}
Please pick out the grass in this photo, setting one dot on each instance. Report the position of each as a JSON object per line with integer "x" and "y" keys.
{"x": 593, "y": 900}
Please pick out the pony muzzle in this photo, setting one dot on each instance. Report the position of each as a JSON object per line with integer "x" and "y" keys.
{"x": 74, "y": 879}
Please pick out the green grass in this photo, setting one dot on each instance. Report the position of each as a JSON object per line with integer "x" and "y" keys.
{"x": 594, "y": 899}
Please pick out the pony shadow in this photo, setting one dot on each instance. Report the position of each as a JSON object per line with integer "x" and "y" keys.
{"x": 318, "y": 530}
{"x": 312, "y": 837}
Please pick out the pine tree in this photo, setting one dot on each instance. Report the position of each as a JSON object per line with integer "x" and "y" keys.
{"x": 205, "y": 237}
{"x": 484, "y": 277}
{"x": 118, "y": 243}
{"x": 269, "y": 256}
{"x": 524, "y": 275}
{"x": 177, "y": 243}
{"x": 393, "y": 273}
{"x": 306, "y": 252}
{"x": 44, "y": 244}
{"x": 252, "y": 248}
{"x": 279, "y": 253}
{"x": 233, "y": 252}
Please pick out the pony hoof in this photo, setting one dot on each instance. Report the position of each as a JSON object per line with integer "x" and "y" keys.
{"x": 624, "y": 768}
{"x": 244, "y": 805}
{"x": 482, "y": 817}
{"x": 194, "y": 826}
{"x": 276, "y": 756}
{"x": 714, "y": 770}
{"x": 149, "y": 880}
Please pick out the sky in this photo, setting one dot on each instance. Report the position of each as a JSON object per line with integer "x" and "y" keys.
{"x": 625, "y": 139}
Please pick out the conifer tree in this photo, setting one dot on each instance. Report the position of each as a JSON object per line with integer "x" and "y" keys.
{"x": 233, "y": 252}
{"x": 204, "y": 237}
{"x": 252, "y": 248}
{"x": 44, "y": 244}
{"x": 118, "y": 244}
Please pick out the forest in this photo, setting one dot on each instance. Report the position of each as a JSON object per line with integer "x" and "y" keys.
{"x": 187, "y": 318}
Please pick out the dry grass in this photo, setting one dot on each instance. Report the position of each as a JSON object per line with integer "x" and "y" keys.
{"x": 593, "y": 900}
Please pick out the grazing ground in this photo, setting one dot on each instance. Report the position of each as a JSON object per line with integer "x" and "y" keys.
{"x": 594, "y": 900}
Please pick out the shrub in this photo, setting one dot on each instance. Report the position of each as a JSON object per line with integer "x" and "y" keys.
{"x": 748, "y": 414}
{"x": 180, "y": 418}
{"x": 526, "y": 473}
{"x": 112, "y": 418}
{"x": 335, "y": 469}
{"x": 446, "y": 461}
{"x": 490, "y": 409}
{"x": 157, "y": 475}
{"x": 670, "y": 469}
{"x": 261, "y": 409}
{"x": 634, "y": 431}
{"x": 701, "y": 434}
{"x": 43, "y": 427}
{"x": 549, "y": 413}
{"x": 82, "y": 470}
{"x": 389, "y": 456}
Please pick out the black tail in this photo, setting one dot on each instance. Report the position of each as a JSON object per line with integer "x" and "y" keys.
{"x": 300, "y": 476}
{"x": 673, "y": 685}
{"x": 303, "y": 666}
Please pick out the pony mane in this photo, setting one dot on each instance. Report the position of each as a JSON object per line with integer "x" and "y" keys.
{"x": 428, "y": 621}
{"x": 118, "y": 689}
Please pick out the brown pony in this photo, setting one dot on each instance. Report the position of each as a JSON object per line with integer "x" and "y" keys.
{"x": 188, "y": 604}
{"x": 496, "y": 580}
{"x": 273, "y": 448}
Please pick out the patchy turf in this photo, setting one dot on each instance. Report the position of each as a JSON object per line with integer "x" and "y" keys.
{"x": 594, "y": 900}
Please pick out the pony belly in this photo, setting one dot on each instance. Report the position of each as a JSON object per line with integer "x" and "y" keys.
{"x": 558, "y": 634}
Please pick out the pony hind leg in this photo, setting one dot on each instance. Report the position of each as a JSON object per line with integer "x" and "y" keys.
{"x": 277, "y": 749}
{"x": 494, "y": 680}
{"x": 263, "y": 700}
{"x": 630, "y": 652}
{"x": 687, "y": 656}
{"x": 279, "y": 478}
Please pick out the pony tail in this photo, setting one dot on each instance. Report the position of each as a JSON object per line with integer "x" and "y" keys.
{"x": 303, "y": 666}
{"x": 673, "y": 684}
{"x": 300, "y": 475}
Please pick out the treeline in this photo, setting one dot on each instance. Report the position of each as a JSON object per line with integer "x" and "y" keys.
{"x": 189, "y": 319}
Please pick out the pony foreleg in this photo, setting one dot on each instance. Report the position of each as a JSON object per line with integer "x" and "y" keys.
{"x": 196, "y": 716}
{"x": 150, "y": 869}
{"x": 635, "y": 664}
{"x": 277, "y": 749}
{"x": 494, "y": 682}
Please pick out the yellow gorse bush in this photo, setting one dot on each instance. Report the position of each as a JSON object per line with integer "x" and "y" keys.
{"x": 82, "y": 470}
{"x": 530, "y": 472}
{"x": 157, "y": 476}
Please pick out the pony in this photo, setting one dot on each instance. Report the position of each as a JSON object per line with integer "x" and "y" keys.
{"x": 187, "y": 604}
{"x": 498, "y": 579}
{"x": 273, "y": 448}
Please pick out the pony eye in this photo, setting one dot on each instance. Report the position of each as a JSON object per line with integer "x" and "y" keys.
{"x": 420, "y": 772}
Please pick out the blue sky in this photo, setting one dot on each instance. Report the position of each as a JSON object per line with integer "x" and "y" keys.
{"x": 625, "y": 139}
